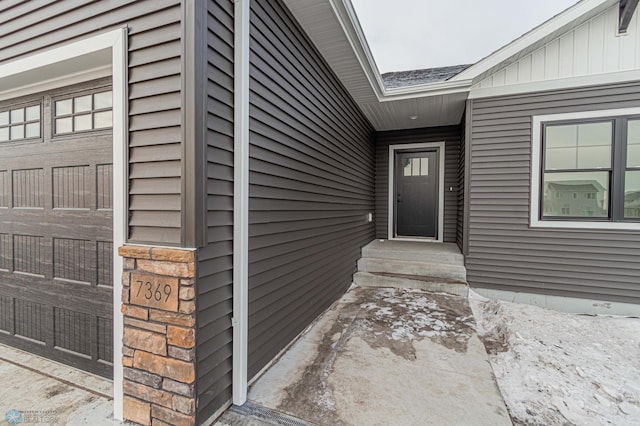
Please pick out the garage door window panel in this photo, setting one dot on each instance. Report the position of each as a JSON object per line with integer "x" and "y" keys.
{"x": 83, "y": 113}
{"x": 20, "y": 123}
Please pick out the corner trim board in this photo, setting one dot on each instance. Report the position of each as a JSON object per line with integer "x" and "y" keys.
{"x": 242, "y": 10}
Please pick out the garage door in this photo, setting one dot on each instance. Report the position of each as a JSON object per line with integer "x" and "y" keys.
{"x": 56, "y": 248}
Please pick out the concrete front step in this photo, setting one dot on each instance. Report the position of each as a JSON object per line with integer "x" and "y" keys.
{"x": 414, "y": 251}
{"x": 421, "y": 269}
{"x": 368, "y": 279}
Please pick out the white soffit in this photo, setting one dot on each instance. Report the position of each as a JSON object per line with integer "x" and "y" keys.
{"x": 332, "y": 26}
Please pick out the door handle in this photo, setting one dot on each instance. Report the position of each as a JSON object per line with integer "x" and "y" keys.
{"x": 399, "y": 198}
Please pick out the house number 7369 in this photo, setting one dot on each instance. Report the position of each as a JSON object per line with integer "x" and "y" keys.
{"x": 151, "y": 292}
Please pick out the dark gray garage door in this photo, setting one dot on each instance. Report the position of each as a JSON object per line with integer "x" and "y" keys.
{"x": 56, "y": 226}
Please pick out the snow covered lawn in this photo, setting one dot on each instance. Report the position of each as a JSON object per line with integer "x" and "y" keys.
{"x": 555, "y": 368}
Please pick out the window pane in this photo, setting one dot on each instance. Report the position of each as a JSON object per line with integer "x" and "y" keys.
{"x": 17, "y": 115}
{"x": 17, "y": 132}
{"x": 591, "y": 197}
{"x": 561, "y": 158}
{"x": 81, "y": 104}
{"x": 102, "y": 100}
{"x": 594, "y": 157}
{"x": 424, "y": 167}
{"x": 4, "y": 118}
{"x": 632, "y": 195}
{"x": 33, "y": 130}
{"x": 590, "y": 134}
{"x": 82, "y": 122}
{"x": 633, "y": 143}
{"x": 33, "y": 113}
{"x": 63, "y": 107}
{"x": 4, "y": 134}
{"x": 406, "y": 171}
{"x": 415, "y": 167}
{"x": 102, "y": 119}
{"x": 562, "y": 136}
{"x": 63, "y": 125}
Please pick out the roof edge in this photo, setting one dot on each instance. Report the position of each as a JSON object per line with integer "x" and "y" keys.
{"x": 538, "y": 33}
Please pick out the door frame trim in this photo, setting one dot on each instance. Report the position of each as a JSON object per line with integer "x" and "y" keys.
{"x": 440, "y": 149}
{"x": 40, "y": 75}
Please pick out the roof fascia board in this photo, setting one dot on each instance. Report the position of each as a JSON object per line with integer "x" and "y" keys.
{"x": 424, "y": 90}
{"x": 559, "y": 84}
{"x": 346, "y": 15}
{"x": 554, "y": 24}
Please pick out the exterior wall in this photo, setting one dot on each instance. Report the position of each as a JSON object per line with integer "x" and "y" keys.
{"x": 460, "y": 195}
{"x": 504, "y": 252}
{"x": 215, "y": 260}
{"x": 451, "y": 136}
{"x": 591, "y": 48}
{"x": 159, "y": 336}
{"x": 311, "y": 183}
{"x": 155, "y": 84}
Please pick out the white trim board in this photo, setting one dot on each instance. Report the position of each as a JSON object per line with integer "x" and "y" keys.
{"x": 43, "y": 70}
{"x": 536, "y": 164}
{"x": 440, "y": 147}
{"x": 558, "y": 84}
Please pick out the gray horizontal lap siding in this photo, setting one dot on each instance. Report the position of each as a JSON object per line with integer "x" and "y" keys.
{"x": 504, "y": 253}
{"x": 311, "y": 184}
{"x": 154, "y": 91}
{"x": 215, "y": 260}
{"x": 451, "y": 136}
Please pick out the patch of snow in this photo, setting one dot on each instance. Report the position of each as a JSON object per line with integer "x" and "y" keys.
{"x": 558, "y": 368}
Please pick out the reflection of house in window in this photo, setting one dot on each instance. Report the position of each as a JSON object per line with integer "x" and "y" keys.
{"x": 632, "y": 204}
{"x": 576, "y": 198}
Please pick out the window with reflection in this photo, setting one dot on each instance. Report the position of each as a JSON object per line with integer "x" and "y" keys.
{"x": 416, "y": 167}
{"x": 83, "y": 113}
{"x": 591, "y": 170}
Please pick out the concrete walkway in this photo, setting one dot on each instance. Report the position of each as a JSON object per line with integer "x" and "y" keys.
{"x": 35, "y": 390}
{"x": 382, "y": 356}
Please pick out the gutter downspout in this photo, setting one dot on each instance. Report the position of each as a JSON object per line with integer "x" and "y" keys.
{"x": 241, "y": 201}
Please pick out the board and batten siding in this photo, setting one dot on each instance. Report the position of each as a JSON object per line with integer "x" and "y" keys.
{"x": 504, "y": 252}
{"x": 593, "y": 47}
{"x": 155, "y": 136}
{"x": 450, "y": 135}
{"x": 214, "y": 348}
{"x": 311, "y": 183}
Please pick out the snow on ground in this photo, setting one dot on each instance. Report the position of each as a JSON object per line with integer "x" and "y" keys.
{"x": 555, "y": 368}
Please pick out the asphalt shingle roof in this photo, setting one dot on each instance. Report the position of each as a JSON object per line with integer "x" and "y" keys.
{"x": 394, "y": 80}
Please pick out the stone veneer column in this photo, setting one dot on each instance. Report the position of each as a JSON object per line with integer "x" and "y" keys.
{"x": 159, "y": 335}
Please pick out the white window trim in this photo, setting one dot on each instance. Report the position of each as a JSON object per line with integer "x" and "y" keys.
{"x": 440, "y": 147}
{"x": 116, "y": 42}
{"x": 536, "y": 164}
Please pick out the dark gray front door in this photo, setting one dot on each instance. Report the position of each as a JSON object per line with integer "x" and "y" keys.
{"x": 416, "y": 193}
{"x": 56, "y": 280}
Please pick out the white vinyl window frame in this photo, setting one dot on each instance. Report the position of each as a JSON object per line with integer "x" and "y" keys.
{"x": 536, "y": 172}
{"x": 41, "y": 72}
{"x": 393, "y": 149}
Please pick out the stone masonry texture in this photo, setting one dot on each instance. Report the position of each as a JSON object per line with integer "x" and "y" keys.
{"x": 159, "y": 335}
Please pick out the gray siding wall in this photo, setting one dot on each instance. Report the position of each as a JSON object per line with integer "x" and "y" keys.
{"x": 504, "y": 253}
{"x": 311, "y": 183}
{"x": 155, "y": 29}
{"x": 451, "y": 136}
{"x": 215, "y": 260}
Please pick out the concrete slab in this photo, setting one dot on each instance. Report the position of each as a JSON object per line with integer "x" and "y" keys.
{"x": 44, "y": 391}
{"x": 387, "y": 356}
